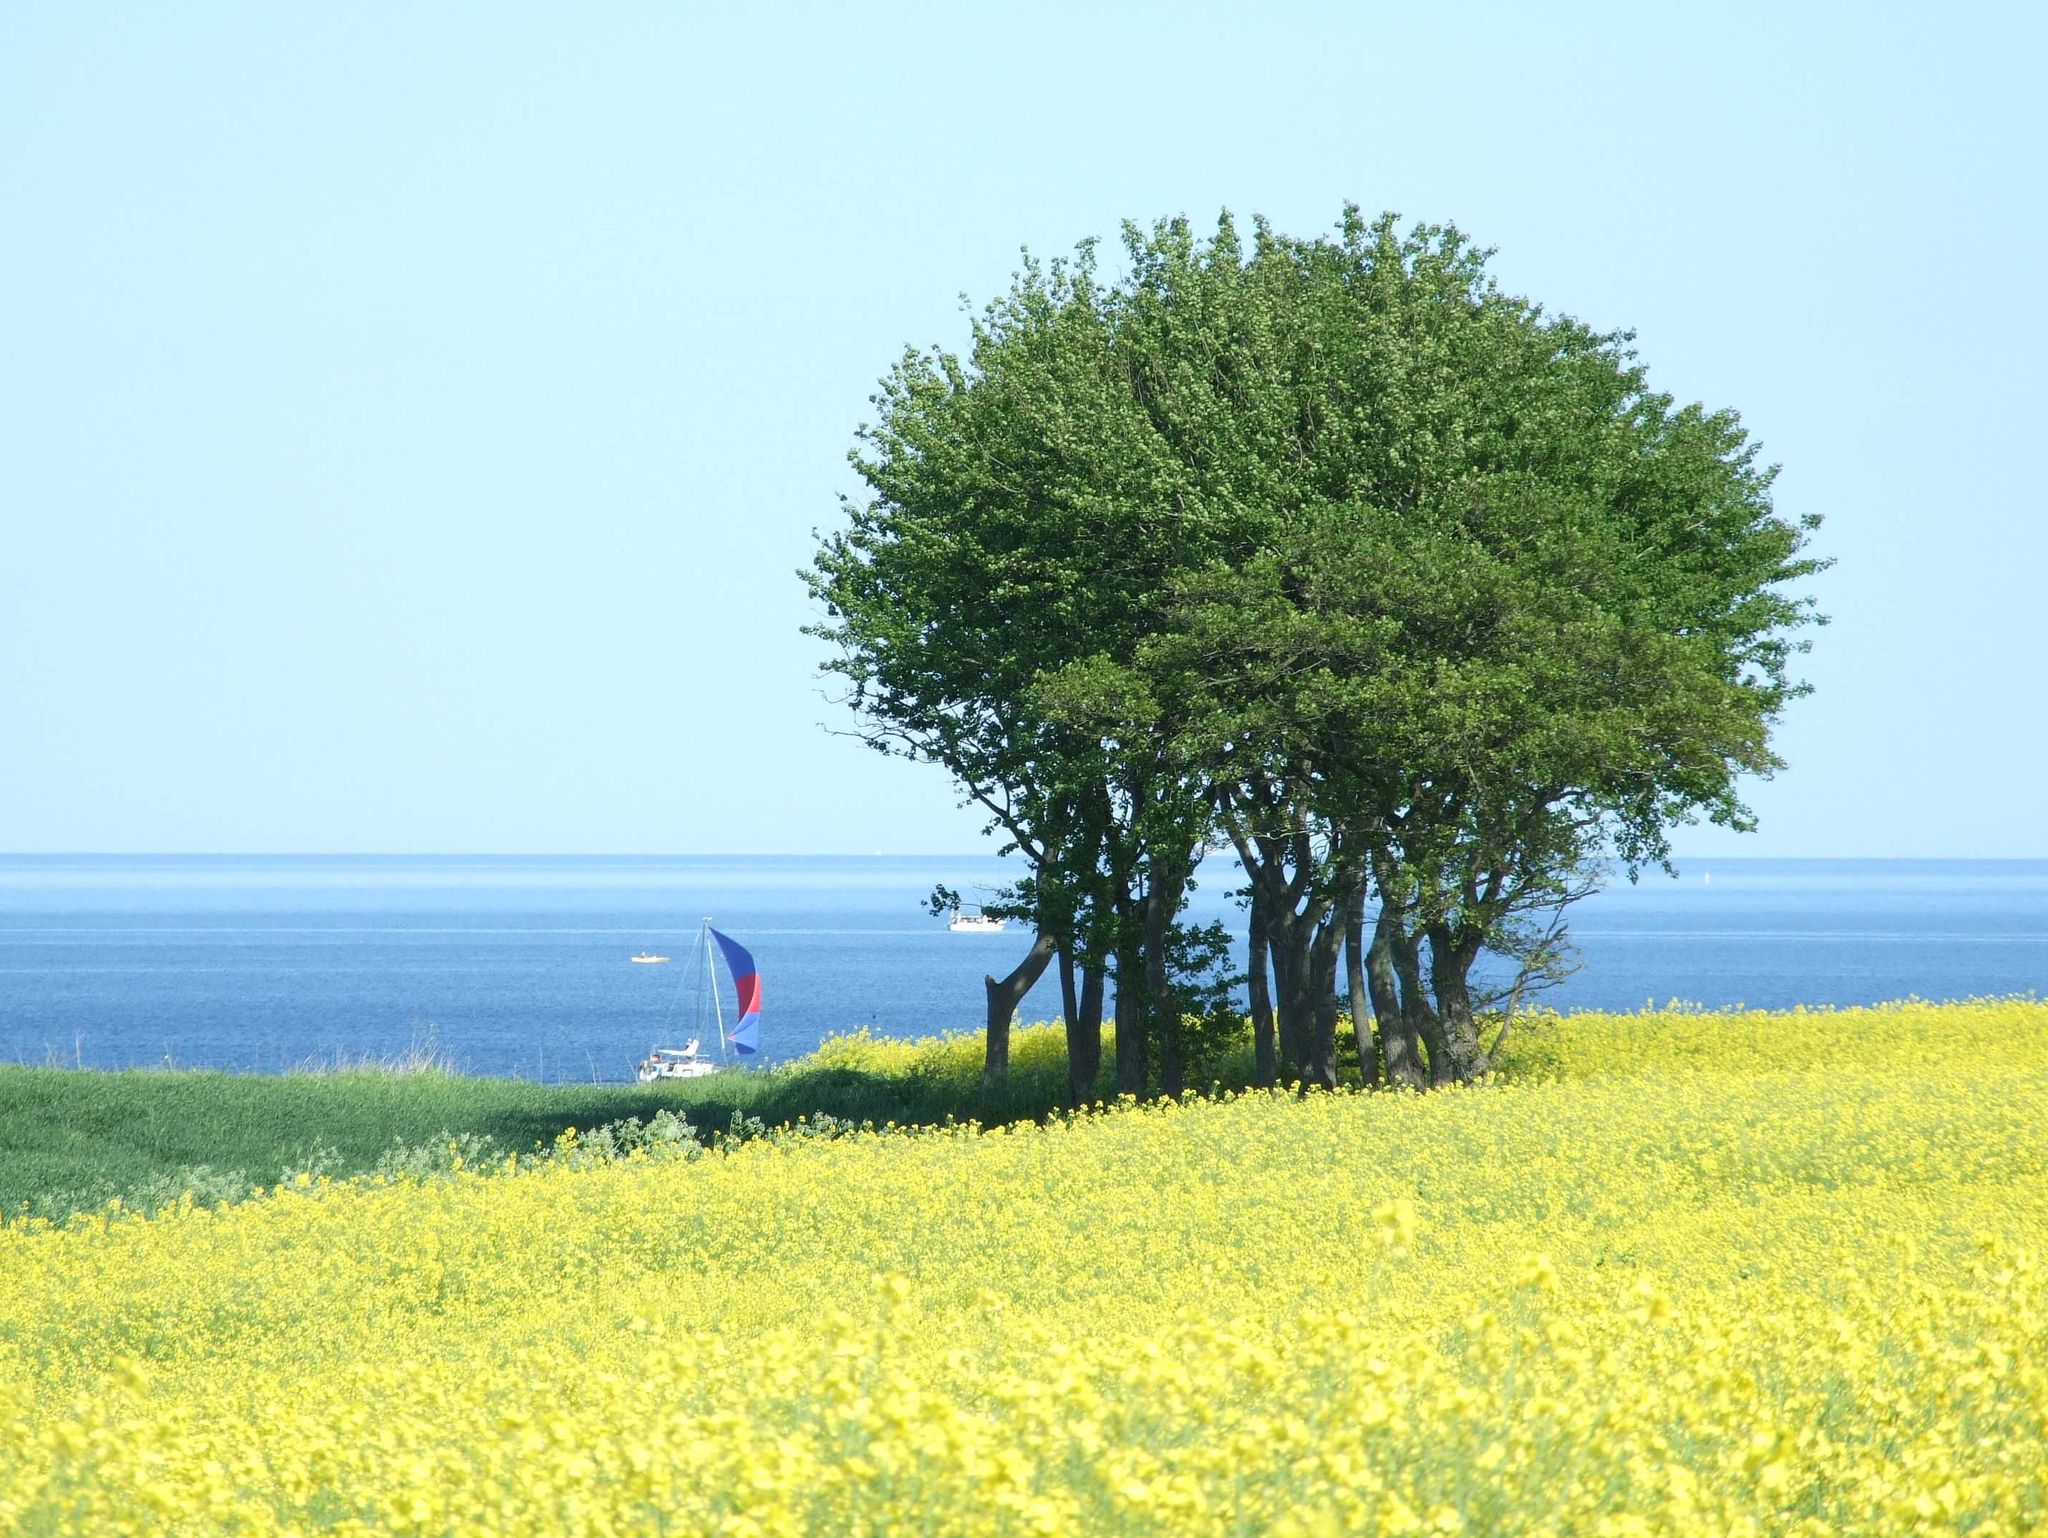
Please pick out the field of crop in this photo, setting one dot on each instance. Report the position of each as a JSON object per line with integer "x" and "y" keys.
{"x": 1680, "y": 1274}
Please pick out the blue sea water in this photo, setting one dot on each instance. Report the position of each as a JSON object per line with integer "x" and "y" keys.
{"x": 519, "y": 965}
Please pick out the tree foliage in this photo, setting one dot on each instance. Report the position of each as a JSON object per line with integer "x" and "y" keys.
{"x": 1332, "y": 551}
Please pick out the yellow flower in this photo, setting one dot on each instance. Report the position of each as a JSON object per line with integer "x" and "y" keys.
{"x": 1210, "y": 1319}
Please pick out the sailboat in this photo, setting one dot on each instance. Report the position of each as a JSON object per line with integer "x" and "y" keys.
{"x": 744, "y": 1039}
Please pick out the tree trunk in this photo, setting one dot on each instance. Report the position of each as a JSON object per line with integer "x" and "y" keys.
{"x": 1131, "y": 1066}
{"x": 1294, "y": 999}
{"x": 1070, "y": 1006}
{"x": 1421, "y": 1020}
{"x": 1003, "y": 998}
{"x": 1162, "y": 894}
{"x": 1173, "y": 1073}
{"x": 1354, "y": 978}
{"x": 1084, "y": 1039}
{"x": 1261, "y": 987}
{"x": 1450, "y": 970}
{"x": 1399, "y": 1043}
{"x": 1321, "y": 1065}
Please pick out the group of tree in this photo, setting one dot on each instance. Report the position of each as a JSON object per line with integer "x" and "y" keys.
{"x": 1330, "y": 553}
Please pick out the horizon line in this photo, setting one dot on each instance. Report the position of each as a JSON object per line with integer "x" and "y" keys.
{"x": 1677, "y": 857}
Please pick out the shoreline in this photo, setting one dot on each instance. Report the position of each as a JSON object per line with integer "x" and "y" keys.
{"x": 441, "y": 1066}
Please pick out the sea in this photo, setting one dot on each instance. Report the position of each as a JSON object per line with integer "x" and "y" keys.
{"x": 521, "y": 966}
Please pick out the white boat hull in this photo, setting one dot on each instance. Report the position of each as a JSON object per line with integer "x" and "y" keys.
{"x": 697, "y": 1070}
{"x": 684, "y": 1062}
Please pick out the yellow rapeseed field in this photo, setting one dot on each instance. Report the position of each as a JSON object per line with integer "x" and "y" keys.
{"x": 1674, "y": 1273}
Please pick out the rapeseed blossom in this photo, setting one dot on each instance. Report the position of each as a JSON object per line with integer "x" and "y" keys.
{"x": 1674, "y": 1273}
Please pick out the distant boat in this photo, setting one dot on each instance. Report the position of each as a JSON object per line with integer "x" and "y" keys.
{"x": 688, "y": 1061}
{"x": 684, "y": 1062}
{"x": 646, "y": 960}
{"x": 975, "y": 924}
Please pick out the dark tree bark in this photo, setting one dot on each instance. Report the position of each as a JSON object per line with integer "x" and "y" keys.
{"x": 1420, "y": 1018}
{"x": 1324, "y": 953}
{"x": 1300, "y": 894}
{"x": 1163, "y": 888}
{"x": 1125, "y": 869}
{"x": 1004, "y": 996}
{"x": 1084, "y": 1039}
{"x": 1261, "y": 985}
{"x": 1307, "y": 974}
{"x": 1361, "y": 1005}
{"x": 1070, "y": 1005}
{"x": 1399, "y": 1044}
{"x": 1292, "y": 996}
{"x": 1132, "y": 1068}
{"x": 1450, "y": 968}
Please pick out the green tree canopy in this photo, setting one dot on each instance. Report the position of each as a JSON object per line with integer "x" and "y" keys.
{"x": 1332, "y": 549}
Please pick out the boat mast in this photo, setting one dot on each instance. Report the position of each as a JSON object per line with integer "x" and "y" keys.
{"x": 711, "y": 968}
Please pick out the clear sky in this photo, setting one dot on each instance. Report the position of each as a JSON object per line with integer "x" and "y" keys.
{"x": 412, "y": 418}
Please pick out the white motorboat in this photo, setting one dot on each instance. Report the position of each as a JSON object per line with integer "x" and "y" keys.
{"x": 975, "y": 924}
{"x": 647, "y": 959}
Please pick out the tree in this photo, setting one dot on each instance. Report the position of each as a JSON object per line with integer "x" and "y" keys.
{"x": 981, "y": 600}
{"x": 1003, "y": 994}
{"x": 1332, "y": 550}
{"x": 1503, "y": 611}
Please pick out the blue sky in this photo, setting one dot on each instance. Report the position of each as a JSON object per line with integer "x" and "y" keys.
{"x": 412, "y": 418}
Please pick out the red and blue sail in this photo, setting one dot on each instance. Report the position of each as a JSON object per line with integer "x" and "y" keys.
{"x": 745, "y": 1034}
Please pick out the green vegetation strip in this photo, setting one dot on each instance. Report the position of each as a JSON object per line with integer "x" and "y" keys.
{"x": 72, "y": 1141}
